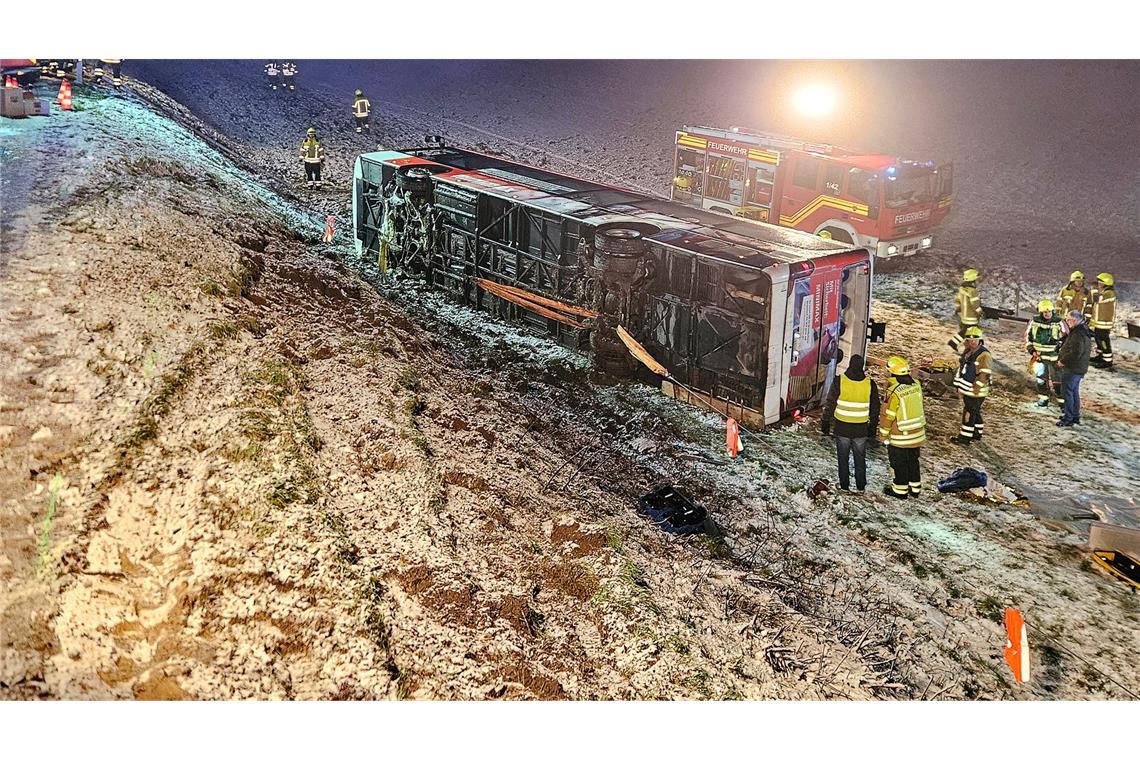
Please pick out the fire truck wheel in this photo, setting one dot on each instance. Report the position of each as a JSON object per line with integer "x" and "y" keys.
{"x": 836, "y": 234}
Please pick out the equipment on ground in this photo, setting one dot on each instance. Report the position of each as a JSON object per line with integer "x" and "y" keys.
{"x": 887, "y": 204}
{"x": 673, "y": 511}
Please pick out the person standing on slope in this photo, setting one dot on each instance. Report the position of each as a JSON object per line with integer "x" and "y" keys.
{"x": 902, "y": 426}
{"x": 1103, "y": 314}
{"x": 1073, "y": 359}
{"x": 853, "y": 405}
{"x": 361, "y": 109}
{"x": 312, "y": 155}
{"x": 1074, "y": 296}
{"x": 973, "y": 384}
{"x": 968, "y": 307}
{"x": 289, "y": 75}
{"x": 1043, "y": 337}
{"x": 272, "y": 73}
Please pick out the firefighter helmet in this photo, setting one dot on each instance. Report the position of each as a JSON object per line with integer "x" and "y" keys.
{"x": 312, "y": 131}
{"x": 974, "y": 332}
{"x": 1077, "y": 275}
{"x": 1104, "y": 278}
{"x": 897, "y": 365}
{"x": 359, "y": 93}
{"x": 970, "y": 275}
{"x": 1044, "y": 306}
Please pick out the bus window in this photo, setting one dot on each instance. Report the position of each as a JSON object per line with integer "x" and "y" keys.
{"x": 833, "y": 179}
{"x": 806, "y": 174}
{"x": 864, "y": 187}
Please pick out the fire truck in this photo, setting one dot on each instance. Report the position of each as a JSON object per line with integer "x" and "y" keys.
{"x": 750, "y": 319}
{"x": 887, "y": 204}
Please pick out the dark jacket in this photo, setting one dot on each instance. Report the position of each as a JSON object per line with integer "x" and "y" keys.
{"x": 850, "y": 429}
{"x": 1075, "y": 350}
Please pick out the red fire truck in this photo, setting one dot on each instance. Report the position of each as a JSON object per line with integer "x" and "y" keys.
{"x": 889, "y": 205}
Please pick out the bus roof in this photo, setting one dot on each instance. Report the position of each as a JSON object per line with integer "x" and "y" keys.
{"x": 741, "y": 241}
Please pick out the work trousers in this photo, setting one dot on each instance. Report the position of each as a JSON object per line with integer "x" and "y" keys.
{"x": 1049, "y": 384}
{"x": 313, "y": 171}
{"x": 362, "y": 124}
{"x": 844, "y": 448}
{"x": 904, "y": 463}
{"x": 1103, "y": 345}
{"x": 272, "y": 80}
{"x": 287, "y": 80}
{"x": 956, "y": 341}
{"x": 972, "y": 417}
{"x": 1071, "y": 382}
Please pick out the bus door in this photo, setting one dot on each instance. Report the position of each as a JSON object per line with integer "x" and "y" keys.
{"x": 813, "y": 306}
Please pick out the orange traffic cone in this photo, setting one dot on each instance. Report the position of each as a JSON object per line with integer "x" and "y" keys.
{"x": 65, "y": 95}
{"x": 10, "y": 82}
{"x": 63, "y": 87}
{"x": 732, "y": 437}
{"x": 1016, "y": 644}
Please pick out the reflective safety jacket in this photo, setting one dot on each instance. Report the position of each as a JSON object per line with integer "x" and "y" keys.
{"x": 271, "y": 69}
{"x": 902, "y": 423}
{"x": 854, "y": 402}
{"x": 361, "y": 107}
{"x": 968, "y": 305}
{"x": 1043, "y": 337}
{"x": 288, "y": 69}
{"x": 974, "y": 371}
{"x": 1071, "y": 299}
{"x": 311, "y": 151}
{"x": 1103, "y": 308}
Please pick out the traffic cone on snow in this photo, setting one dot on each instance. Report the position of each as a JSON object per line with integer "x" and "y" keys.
{"x": 65, "y": 96}
{"x": 732, "y": 437}
{"x": 63, "y": 87}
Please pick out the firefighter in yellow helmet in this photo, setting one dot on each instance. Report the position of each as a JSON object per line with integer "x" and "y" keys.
{"x": 902, "y": 426}
{"x": 312, "y": 155}
{"x": 973, "y": 384}
{"x": 361, "y": 109}
{"x": 1102, "y": 310}
{"x": 1043, "y": 337}
{"x": 968, "y": 307}
{"x": 1074, "y": 296}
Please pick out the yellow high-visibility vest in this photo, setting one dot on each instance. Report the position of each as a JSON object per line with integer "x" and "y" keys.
{"x": 854, "y": 402}
{"x": 903, "y": 423}
{"x": 969, "y": 305}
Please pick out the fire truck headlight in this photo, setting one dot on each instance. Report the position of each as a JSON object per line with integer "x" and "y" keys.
{"x": 927, "y": 241}
{"x": 892, "y": 249}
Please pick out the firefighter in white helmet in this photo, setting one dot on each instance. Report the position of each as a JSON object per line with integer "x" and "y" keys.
{"x": 361, "y": 109}
{"x": 902, "y": 426}
{"x": 1043, "y": 337}
{"x": 968, "y": 307}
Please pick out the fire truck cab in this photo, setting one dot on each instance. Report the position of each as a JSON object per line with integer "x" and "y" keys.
{"x": 889, "y": 205}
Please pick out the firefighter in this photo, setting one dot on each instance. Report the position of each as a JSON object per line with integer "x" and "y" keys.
{"x": 853, "y": 403}
{"x": 1043, "y": 337}
{"x": 272, "y": 74}
{"x": 288, "y": 75}
{"x": 1074, "y": 296}
{"x": 973, "y": 384}
{"x": 968, "y": 307}
{"x": 115, "y": 67}
{"x": 361, "y": 108}
{"x": 902, "y": 426}
{"x": 1102, "y": 315}
{"x": 312, "y": 155}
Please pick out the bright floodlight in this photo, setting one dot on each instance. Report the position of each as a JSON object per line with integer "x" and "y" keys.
{"x": 815, "y": 100}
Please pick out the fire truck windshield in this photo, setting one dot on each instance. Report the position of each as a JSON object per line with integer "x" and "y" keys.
{"x": 912, "y": 184}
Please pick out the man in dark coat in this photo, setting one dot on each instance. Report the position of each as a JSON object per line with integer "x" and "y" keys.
{"x": 853, "y": 407}
{"x": 1074, "y": 363}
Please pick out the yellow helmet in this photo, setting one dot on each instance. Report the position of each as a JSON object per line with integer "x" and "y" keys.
{"x": 974, "y": 332}
{"x": 1104, "y": 278}
{"x": 358, "y": 92}
{"x": 970, "y": 275}
{"x": 1077, "y": 275}
{"x": 312, "y": 131}
{"x": 897, "y": 365}
{"x": 1044, "y": 306}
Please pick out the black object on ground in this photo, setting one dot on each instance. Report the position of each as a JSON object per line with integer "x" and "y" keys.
{"x": 673, "y": 511}
{"x": 962, "y": 479}
{"x": 1121, "y": 565}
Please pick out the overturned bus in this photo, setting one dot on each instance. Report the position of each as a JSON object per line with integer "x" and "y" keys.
{"x": 750, "y": 319}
